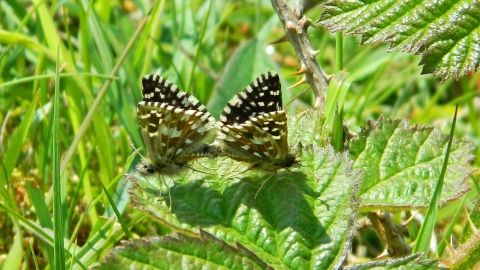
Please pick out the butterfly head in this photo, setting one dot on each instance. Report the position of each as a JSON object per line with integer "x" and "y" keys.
{"x": 146, "y": 167}
{"x": 291, "y": 160}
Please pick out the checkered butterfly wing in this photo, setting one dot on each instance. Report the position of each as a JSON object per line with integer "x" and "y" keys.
{"x": 174, "y": 125}
{"x": 263, "y": 95}
{"x": 253, "y": 126}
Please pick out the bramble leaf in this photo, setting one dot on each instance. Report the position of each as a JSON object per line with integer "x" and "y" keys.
{"x": 298, "y": 218}
{"x": 181, "y": 252}
{"x": 409, "y": 262}
{"x": 402, "y": 165}
{"x": 445, "y": 33}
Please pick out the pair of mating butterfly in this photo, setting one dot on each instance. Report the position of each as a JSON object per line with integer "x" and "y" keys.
{"x": 175, "y": 126}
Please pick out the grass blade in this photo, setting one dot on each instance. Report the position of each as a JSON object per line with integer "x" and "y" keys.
{"x": 59, "y": 206}
{"x": 427, "y": 229}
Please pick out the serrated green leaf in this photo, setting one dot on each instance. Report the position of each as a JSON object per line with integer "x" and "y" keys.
{"x": 402, "y": 165}
{"x": 467, "y": 256}
{"x": 474, "y": 222}
{"x": 301, "y": 218}
{"x": 409, "y": 262}
{"x": 445, "y": 33}
{"x": 184, "y": 252}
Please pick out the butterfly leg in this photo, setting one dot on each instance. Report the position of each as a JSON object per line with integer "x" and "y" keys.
{"x": 263, "y": 183}
{"x": 168, "y": 189}
{"x": 233, "y": 170}
{"x": 195, "y": 170}
{"x": 205, "y": 167}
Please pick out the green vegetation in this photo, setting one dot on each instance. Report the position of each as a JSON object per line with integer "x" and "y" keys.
{"x": 70, "y": 79}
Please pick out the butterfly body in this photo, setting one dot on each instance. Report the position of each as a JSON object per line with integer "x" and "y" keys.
{"x": 174, "y": 126}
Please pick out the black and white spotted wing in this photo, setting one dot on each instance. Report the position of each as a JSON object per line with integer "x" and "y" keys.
{"x": 253, "y": 126}
{"x": 174, "y": 126}
{"x": 262, "y": 95}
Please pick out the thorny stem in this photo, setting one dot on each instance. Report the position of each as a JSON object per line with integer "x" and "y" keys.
{"x": 390, "y": 233}
{"x": 295, "y": 25}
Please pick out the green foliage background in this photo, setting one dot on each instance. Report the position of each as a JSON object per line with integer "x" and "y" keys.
{"x": 211, "y": 49}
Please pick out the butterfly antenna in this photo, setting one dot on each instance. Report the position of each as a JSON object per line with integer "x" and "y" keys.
{"x": 239, "y": 173}
{"x": 195, "y": 170}
{"x": 133, "y": 147}
{"x": 297, "y": 96}
{"x": 206, "y": 167}
{"x": 232, "y": 170}
{"x": 137, "y": 151}
{"x": 310, "y": 170}
{"x": 305, "y": 112}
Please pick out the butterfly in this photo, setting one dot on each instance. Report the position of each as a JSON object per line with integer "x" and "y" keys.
{"x": 253, "y": 127}
{"x": 174, "y": 126}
